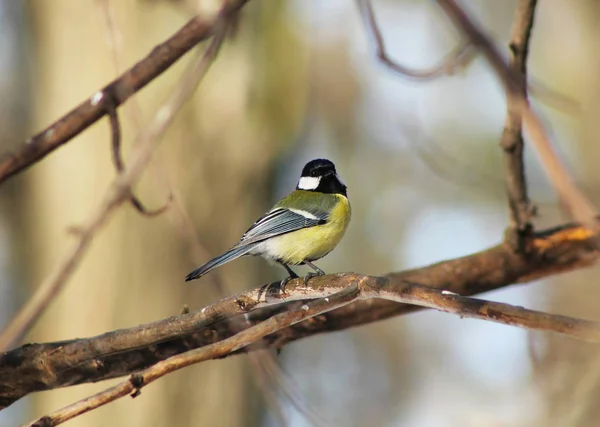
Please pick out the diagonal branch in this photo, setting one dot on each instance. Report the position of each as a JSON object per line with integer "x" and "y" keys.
{"x": 511, "y": 140}
{"x": 39, "y": 367}
{"x": 91, "y": 110}
{"x": 119, "y": 191}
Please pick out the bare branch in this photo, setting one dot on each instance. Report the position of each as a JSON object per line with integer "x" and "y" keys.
{"x": 326, "y": 297}
{"x": 459, "y": 58}
{"x": 575, "y": 201}
{"x": 119, "y": 191}
{"x": 38, "y": 367}
{"x": 91, "y": 110}
{"x": 115, "y": 127}
{"x": 134, "y": 384}
{"x": 511, "y": 140}
{"x": 115, "y": 36}
{"x": 491, "y": 311}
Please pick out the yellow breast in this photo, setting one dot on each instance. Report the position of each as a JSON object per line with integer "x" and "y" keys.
{"x": 315, "y": 242}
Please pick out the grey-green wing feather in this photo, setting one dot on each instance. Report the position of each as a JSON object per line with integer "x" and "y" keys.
{"x": 279, "y": 221}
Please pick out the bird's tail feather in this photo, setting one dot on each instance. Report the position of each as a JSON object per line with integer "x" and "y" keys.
{"x": 230, "y": 255}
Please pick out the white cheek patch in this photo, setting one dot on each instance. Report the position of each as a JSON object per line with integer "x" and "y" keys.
{"x": 309, "y": 183}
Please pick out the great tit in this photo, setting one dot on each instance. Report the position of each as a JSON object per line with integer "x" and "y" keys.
{"x": 301, "y": 228}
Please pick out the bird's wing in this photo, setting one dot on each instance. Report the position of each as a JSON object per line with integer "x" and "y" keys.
{"x": 280, "y": 221}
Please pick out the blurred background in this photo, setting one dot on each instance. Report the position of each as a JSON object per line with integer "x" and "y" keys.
{"x": 300, "y": 81}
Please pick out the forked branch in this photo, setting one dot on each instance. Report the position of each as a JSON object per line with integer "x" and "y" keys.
{"x": 573, "y": 199}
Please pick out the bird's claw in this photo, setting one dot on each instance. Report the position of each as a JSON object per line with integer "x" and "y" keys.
{"x": 310, "y": 276}
{"x": 285, "y": 282}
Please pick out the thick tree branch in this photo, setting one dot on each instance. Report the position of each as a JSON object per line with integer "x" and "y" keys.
{"x": 511, "y": 140}
{"x": 117, "y": 92}
{"x": 356, "y": 288}
{"x": 45, "y": 366}
{"x": 134, "y": 384}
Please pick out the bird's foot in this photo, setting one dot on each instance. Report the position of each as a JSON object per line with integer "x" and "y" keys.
{"x": 285, "y": 282}
{"x": 311, "y": 275}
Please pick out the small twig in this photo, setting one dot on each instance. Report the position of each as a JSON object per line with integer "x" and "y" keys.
{"x": 575, "y": 201}
{"x": 511, "y": 140}
{"x": 115, "y": 127}
{"x": 505, "y": 314}
{"x": 460, "y": 57}
{"x": 119, "y": 190}
{"x": 222, "y": 348}
{"x": 115, "y": 38}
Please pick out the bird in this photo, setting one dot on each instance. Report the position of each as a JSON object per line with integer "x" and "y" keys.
{"x": 301, "y": 228}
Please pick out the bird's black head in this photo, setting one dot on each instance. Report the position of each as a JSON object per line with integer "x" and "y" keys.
{"x": 320, "y": 175}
